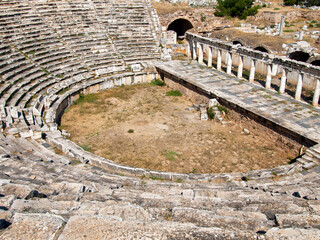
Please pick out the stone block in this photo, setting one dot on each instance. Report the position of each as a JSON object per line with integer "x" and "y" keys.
{"x": 33, "y": 226}
{"x": 136, "y": 67}
{"x": 26, "y": 134}
{"x": 213, "y": 102}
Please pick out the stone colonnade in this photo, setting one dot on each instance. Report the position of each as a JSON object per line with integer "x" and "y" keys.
{"x": 218, "y": 49}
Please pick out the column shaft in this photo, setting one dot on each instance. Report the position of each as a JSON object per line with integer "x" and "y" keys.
{"x": 299, "y": 87}
{"x": 219, "y": 60}
{"x": 209, "y": 56}
{"x": 268, "y": 79}
{"x": 229, "y": 62}
{"x": 315, "y": 100}
{"x": 200, "y": 57}
{"x": 240, "y": 67}
{"x": 252, "y": 71}
{"x": 283, "y": 81}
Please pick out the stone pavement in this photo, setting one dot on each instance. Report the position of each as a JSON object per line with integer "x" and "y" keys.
{"x": 283, "y": 110}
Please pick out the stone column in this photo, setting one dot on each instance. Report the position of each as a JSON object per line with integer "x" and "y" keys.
{"x": 189, "y": 49}
{"x": 283, "y": 81}
{"x": 209, "y": 56}
{"x": 299, "y": 87}
{"x": 268, "y": 79}
{"x": 252, "y": 71}
{"x": 194, "y": 49}
{"x": 219, "y": 59}
{"x": 240, "y": 67}
{"x": 229, "y": 62}
{"x": 274, "y": 69}
{"x": 316, "y": 93}
{"x": 301, "y": 34}
{"x": 200, "y": 57}
{"x": 281, "y": 25}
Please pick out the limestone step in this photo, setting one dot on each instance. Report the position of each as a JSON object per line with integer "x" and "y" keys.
{"x": 97, "y": 227}
{"x": 298, "y": 221}
{"x": 293, "y": 234}
{"x": 231, "y": 220}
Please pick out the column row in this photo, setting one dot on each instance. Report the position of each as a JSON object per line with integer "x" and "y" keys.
{"x": 196, "y": 51}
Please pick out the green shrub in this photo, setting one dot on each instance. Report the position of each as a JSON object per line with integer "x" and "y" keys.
{"x": 236, "y": 8}
{"x": 86, "y": 148}
{"x": 203, "y": 17}
{"x": 158, "y": 82}
{"x": 171, "y": 155}
{"x": 211, "y": 113}
{"x": 156, "y": 178}
{"x": 308, "y": 3}
{"x": 276, "y": 9}
{"x": 310, "y": 25}
{"x": 89, "y": 98}
{"x": 174, "y": 93}
{"x": 130, "y": 131}
{"x": 222, "y": 109}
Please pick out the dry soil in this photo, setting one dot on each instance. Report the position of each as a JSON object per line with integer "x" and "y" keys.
{"x": 140, "y": 126}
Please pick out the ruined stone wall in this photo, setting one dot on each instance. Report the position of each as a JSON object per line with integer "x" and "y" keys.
{"x": 275, "y": 17}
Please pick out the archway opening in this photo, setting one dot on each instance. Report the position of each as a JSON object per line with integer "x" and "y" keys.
{"x": 180, "y": 26}
{"x": 316, "y": 62}
{"x": 237, "y": 42}
{"x": 299, "y": 56}
{"x": 261, "y": 49}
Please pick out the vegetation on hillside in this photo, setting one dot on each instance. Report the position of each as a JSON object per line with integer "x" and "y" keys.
{"x": 236, "y": 8}
{"x": 307, "y": 3}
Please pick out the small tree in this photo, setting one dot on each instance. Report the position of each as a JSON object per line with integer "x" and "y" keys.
{"x": 236, "y": 8}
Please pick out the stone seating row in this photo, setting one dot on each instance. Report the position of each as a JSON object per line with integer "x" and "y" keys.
{"x": 72, "y": 190}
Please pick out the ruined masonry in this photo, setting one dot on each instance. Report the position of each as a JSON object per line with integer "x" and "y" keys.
{"x": 50, "y": 52}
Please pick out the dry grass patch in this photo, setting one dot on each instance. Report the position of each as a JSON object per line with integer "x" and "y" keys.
{"x": 167, "y": 8}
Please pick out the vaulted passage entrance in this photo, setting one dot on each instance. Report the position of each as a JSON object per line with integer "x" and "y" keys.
{"x": 180, "y": 26}
{"x": 261, "y": 49}
{"x": 299, "y": 56}
{"x": 316, "y": 62}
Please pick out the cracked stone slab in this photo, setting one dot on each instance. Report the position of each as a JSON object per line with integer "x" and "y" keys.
{"x": 34, "y": 226}
{"x": 97, "y": 227}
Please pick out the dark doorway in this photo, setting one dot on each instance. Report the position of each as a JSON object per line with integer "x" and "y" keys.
{"x": 237, "y": 42}
{"x": 299, "y": 56}
{"x": 261, "y": 49}
{"x": 180, "y": 26}
{"x": 316, "y": 62}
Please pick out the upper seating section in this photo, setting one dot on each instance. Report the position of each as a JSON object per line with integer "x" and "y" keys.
{"x": 46, "y": 42}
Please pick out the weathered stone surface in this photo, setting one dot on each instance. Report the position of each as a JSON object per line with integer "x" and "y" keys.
{"x": 223, "y": 219}
{"x": 18, "y": 190}
{"x": 44, "y": 206}
{"x": 5, "y": 215}
{"x": 97, "y": 227}
{"x": 293, "y": 234}
{"x": 126, "y": 212}
{"x": 6, "y": 201}
{"x": 298, "y": 221}
{"x": 33, "y": 226}
{"x": 67, "y": 187}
